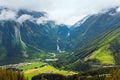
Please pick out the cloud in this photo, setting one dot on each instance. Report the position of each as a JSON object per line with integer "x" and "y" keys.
{"x": 118, "y": 10}
{"x": 63, "y": 11}
{"x": 25, "y": 17}
{"x": 41, "y": 20}
{"x": 8, "y": 15}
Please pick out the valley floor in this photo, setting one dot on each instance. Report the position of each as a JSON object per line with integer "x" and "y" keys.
{"x": 34, "y": 68}
{"x": 37, "y": 69}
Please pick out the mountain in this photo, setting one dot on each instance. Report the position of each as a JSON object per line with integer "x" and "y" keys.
{"x": 98, "y": 39}
{"x": 26, "y": 34}
{"x": 108, "y": 50}
{"x": 102, "y": 50}
{"x": 95, "y": 41}
{"x": 93, "y": 26}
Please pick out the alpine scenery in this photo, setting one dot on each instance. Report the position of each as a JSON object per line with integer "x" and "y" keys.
{"x": 60, "y": 40}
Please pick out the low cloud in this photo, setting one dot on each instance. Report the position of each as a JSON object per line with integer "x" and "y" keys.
{"x": 8, "y": 15}
{"x": 24, "y": 17}
{"x": 118, "y": 10}
{"x": 63, "y": 11}
{"x": 41, "y": 20}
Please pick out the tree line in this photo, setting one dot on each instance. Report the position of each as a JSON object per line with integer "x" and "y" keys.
{"x": 113, "y": 74}
{"x": 11, "y": 75}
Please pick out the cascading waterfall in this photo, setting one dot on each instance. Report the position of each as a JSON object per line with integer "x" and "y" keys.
{"x": 58, "y": 47}
{"x": 68, "y": 34}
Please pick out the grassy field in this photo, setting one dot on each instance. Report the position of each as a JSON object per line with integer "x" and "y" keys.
{"x": 32, "y": 65}
{"x": 46, "y": 69}
{"x": 104, "y": 55}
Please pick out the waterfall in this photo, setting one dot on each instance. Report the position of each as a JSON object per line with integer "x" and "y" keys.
{"x": 58, "y": 47}
{"x": 68, "y": 34}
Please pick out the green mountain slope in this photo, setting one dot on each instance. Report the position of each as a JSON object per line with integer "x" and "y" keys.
{"x": 103, "y": 54}
{"x": 104, "y": 49}
{"x": 98, "y": 35}
{"x": 93, "y": 27}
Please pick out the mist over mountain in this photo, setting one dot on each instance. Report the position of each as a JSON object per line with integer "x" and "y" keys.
{"x": 97, "y": 39}
{"x": 60, "y": 40}
{"x": 95, "y": 25}
{"x": 24, "y": 32}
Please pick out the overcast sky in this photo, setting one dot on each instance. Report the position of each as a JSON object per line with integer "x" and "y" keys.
{"x": 63, "y": 11}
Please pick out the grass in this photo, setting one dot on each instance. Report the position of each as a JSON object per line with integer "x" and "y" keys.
{"x": 32, "y": 65}
{"x": 46, "y": 69}
{"x": 104, "y": 55}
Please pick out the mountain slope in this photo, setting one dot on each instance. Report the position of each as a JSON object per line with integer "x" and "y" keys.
{"x": 104, "y": 49}
{"x": 25, "y": 33}
{"x": 28, "y": 33}
{"x": 94, "y": 26}
{"x": 112, "y": 48}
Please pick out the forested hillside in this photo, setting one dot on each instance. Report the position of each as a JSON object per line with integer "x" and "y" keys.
{"x": 11, "y": 75}
{"x": 99, "y": 74}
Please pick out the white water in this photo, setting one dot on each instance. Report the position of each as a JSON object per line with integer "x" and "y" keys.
{"x": 58, "y": 47}
{"x": 68, "y": 34}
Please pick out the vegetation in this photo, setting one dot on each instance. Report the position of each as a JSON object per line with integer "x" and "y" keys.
{"x": 114, "y": 75}
{"x": 98, "y": 40}
{"x": 104, "y": 55}
{"x": 32, "y": 66}
{"x": 11, "y": 75}
{"x": 102, "y": 50}
{"x": 99, "y": 74}
{"x": 79, "y": 66}
{"x": 47, "y": 69}
{"x": 54, "y": 77}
